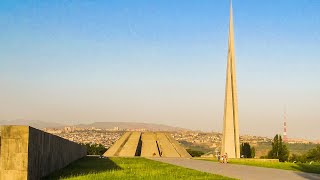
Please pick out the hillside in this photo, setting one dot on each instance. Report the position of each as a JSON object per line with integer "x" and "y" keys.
{"x": 34, "y": 123}
{"x": 103, "y": 125}
{"x": 131, "y": 125}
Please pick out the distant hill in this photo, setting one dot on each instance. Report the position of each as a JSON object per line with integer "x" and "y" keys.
{"x": 105, "y": 125}
{"x": 34, "y": 123}
{"x": 131, "y": 125}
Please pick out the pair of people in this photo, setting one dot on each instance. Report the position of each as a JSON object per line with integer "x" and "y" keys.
{"x": 223, "y": 159}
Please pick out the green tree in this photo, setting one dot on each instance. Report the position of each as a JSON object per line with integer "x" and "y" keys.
{"x": 95, "y": 149}
{"x": 279, "y": 149}
{"x": 253, "y": 152}
{"x": 313, "y": 154}
{"x": 297, "y": 158}
{"x": 195, "y": 153}
{"x": 245, "y": 150}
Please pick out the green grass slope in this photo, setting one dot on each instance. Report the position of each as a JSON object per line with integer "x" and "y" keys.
{"x": 127, "y": 168}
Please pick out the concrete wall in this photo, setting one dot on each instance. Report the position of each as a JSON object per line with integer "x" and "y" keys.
{"x": 28, "y": 153}
{"x": 14, "y": 152}
{"x": 182, "y": 151}
{"x": 117, "y": 146}
{"x": 130, "y": 147}
{"x": 149, "y": 145}
{"x": 166, "y": 148}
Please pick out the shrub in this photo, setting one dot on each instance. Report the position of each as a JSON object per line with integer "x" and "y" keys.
{"x": 195, "y": 153}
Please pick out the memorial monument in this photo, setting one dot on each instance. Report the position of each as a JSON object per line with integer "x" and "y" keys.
{"x": 230, "y": 139}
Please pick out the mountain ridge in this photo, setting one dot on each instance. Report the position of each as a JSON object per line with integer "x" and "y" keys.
{"x": 131, "y": 125}
{"x": 105, "y": 125}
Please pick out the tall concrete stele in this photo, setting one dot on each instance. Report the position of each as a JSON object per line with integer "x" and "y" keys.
{"x": 230, "y": 139}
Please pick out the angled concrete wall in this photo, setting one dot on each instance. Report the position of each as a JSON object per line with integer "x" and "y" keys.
{"x": 28, "y": 153}
{"x": 166, "y": 148}
{"x": 182, "y": 152}
{"x": 149, "y": 145}
{"x": 130, "y": 147}
{"x": 117, "y": 146}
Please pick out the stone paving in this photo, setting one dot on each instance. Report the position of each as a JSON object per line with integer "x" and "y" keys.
{"x": 239, "y": 171}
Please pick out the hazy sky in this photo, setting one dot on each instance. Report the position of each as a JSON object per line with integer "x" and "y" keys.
{"x": 161, "y": 62}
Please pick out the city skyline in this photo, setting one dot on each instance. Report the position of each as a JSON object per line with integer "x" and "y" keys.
{"x": 161, "y": 62}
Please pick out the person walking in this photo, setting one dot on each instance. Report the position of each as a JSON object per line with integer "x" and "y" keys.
{"x": 226, "y": 158}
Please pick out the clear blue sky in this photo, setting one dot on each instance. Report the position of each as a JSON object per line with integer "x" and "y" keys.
{"x": 161, "y": 62}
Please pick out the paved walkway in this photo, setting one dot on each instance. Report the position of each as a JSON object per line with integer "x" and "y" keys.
{"x": 239, "y": 171}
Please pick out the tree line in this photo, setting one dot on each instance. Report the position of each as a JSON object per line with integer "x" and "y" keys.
{"x": 95, "y": 149}
{"x": 280, "y": 151}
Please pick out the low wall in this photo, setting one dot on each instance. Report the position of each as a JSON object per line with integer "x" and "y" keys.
{"x": 28, "y": 153}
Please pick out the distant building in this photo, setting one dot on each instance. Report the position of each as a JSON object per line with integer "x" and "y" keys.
{"x": 68, "y": 129}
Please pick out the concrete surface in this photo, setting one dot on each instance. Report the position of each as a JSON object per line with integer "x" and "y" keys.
{"x": 149, "y": 145}
{"x": 165, "y": 146}
{"x": 230, "y": 137}
{"x": 130, "y": 147}
{"x": 239, "y": 171}
{"x": 28, "y": 153}
{"x": 117, "y": 146}
{"x": 182, "y": 152}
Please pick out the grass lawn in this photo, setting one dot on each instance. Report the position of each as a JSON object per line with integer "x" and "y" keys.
{"x": 127, "y": 168}
{"x": 303, "y": 167}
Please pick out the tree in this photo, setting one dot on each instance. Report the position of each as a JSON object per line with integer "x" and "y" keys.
{"x": 253, "y": 152}
{"x": 245, "y": 150}
{"x": 279, "y": 150}
{"x": 95, "y": 149}
{"x": 297, "y": 158}
{"x": 195, "y": 153}
{"x": 313, "y": 154}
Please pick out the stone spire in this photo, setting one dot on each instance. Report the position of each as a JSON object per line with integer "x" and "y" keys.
{"x": 230, "y": 139}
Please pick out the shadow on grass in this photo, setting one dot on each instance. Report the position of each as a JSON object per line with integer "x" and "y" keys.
{"x": 313, "y": 168}
{"x": 309, "y": 176}
{"x": 84, "y": 166}
{"x": 310, "y": 168}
